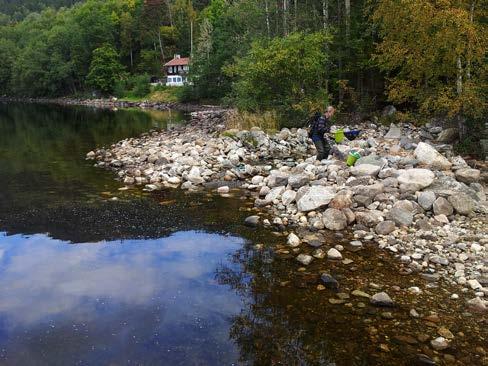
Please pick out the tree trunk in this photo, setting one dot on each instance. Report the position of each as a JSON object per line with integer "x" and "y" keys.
{"x": 268, "y": 28}
{"x": 160, "y": 43}
{"x": 347, "y": 5}
{"x": 325, "y": 13}
{"x": 169, "y": 13}
{"x": 285, "y": 17}
{"x": 295, "y": 25}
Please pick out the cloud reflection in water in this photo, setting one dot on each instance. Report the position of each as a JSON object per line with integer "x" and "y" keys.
{"x": 136, "y": 300}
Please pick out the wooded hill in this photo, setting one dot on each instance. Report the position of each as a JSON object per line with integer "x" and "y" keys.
{"x": 287, "y": 56}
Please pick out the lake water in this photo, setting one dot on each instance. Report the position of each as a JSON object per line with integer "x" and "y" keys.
{"x": 94, "y": 275}
{"x": 85, "y": 280}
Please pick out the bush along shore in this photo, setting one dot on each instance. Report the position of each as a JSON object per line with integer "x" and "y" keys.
{"x": 408, "y": 193}
{"x": 114, "y": 103}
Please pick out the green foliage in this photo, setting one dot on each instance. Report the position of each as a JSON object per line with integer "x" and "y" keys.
{"x": 290, "y": 73}
{"x": 105, "y": 69}
{"x": 435, "y": 54}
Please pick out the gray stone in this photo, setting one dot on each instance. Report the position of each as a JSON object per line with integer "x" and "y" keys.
{"x": 401, "y": 216}
{"x": 426, "y": 199}
{"x": 429, "y": 156}
{"x": 439, "y": 260}
{"x": 252, "y": 221}
{"x": 415, "y": 179}
{"x": 334, "y": 219}
{"x": 395, "y": 132}
{"x": 385, "y": 227}
{"x": 274, "y": 194}
{"x": 369, "y": 218}
{"x": 448, "y": 135}
{"x": 478, "y": 305}
{"x": 342, "y": 200}
{"x": 329, "y": 281}
{"x": 316, "y": 197}
{"x": 439, "y": 343}
{"x": 468, "y": 175}
{"x": 333, "y": 253}
{"x": 365, "y": 170}
{"x": 277, "y": 179}
{"x": 298, "y": 180}
{"x": 288, "y": 197}
{"x": 389, "y": 111}
{"x": 381, "y": 299}
{"x": 304, "y": 259}
{"x": 442, "y": 206}
{"x": 373, "y": 160}
{"x": 194, "y": 176}
{"x": 293, "y": 240}
{"x": 462, "y": 203}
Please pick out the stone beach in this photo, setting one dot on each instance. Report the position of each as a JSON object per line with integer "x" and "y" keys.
{"x": 408, "y": 194}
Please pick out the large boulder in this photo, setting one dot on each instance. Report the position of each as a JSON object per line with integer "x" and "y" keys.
{"x": 316, "y": 197}
{"x": 429, "y": 156}
{"x": 442, "y": 206}
{"x": 401, "y": 216}
{"x": 334, "y": 219}
{"x": 447, "y": 186}
{"x": 277, "y": 179}
{"x": 415, "y": 179}
{"x": 462, "y": 203}
{"x": 298, "y": 180}
{"x": 468, "y": 175}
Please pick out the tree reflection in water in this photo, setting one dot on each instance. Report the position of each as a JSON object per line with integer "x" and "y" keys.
{"x": 274, "y": 327}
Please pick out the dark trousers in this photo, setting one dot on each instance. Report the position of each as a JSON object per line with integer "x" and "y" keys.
{"x": 323, "y": 148}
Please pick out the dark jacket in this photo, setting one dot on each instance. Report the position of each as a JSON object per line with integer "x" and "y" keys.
{"x": 318, "y": 127}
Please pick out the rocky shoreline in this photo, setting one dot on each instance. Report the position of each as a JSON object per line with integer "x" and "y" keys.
{"x": 408, "y": 193}
{"x": 112, "y": 103}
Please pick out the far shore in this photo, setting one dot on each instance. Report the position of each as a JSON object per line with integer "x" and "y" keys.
{"x": 114, "y": 103}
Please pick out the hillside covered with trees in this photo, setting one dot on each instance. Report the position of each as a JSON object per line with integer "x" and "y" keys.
{"x": 286, "y": 56}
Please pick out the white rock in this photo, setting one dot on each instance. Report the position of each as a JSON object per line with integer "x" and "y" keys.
{"x": 293, "y": 240}
{"x": 429, "y": 156}
{"x": 316, "y": 197}
{"x": 304, "y": 259}
{"x": 439, "y": 343}
{"x": 334, "y": 254}
{"x": 415, "y": 179}
{"x": 365, "y": 170}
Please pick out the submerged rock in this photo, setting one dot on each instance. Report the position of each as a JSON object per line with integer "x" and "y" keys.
{"x": 381, "y": 299}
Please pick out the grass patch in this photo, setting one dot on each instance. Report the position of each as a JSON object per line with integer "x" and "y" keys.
{"x": 267, "y": 121}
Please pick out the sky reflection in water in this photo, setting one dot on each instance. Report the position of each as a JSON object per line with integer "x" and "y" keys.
{"x": 113, "y": 303}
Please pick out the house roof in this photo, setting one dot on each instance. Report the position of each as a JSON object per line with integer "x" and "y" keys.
{"x": 182, "y": 61}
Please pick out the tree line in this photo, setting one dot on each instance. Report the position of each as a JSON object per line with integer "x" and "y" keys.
{"x": 288, "y": 56}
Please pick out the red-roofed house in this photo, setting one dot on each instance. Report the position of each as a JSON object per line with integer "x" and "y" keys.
{"x": 177, "y": 70}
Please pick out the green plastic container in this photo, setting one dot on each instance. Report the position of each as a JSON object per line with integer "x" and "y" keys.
{"x": 351, "y": 159}
{"x": 339, "y": 136}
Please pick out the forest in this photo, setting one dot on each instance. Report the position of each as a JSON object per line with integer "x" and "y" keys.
{"x": 287, "y": 56}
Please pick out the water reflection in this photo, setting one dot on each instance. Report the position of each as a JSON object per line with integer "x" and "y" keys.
{"x": 43, "y": 149}
{"x": 131, "y": 302}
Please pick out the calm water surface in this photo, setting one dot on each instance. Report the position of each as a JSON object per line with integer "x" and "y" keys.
{"x": 142, "y": 286}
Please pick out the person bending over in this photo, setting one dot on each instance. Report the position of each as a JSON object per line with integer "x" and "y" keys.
{"x": 319, "y": 126}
